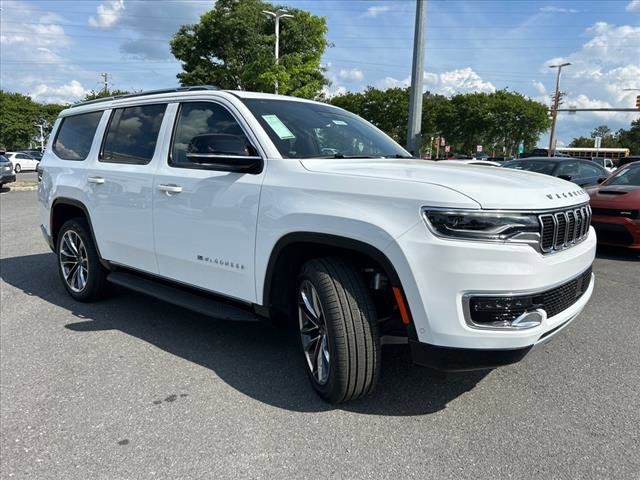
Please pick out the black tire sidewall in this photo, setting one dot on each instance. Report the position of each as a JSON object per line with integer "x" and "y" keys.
{"x": 17, "y": 168}
{"x": 96, "y": 270}
{"x": 326, "y": 388}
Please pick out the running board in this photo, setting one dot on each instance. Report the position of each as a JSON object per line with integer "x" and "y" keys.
{"x": 198, "y": 302}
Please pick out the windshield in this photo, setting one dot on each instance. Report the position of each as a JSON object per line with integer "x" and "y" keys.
{"x": 537, "y": 166}
{"x": 309, "y": 130}
{"x": 3, "y": 159}
{"x": 626, "y": 176}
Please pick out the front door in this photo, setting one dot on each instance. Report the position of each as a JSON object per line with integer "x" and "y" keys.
{"x": 205, "y": 219}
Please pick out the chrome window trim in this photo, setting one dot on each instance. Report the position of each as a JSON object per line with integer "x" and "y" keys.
{"x": 466, "y": 300}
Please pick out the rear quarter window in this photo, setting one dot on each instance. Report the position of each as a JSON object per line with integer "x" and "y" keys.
{"x": 75, "y": 136}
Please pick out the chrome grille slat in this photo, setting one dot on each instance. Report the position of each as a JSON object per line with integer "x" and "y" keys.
{"x": 564, "y": 228}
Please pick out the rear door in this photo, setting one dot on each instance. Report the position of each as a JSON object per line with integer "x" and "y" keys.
{"x": 205, "y": 219}
{"x": 120, "y": 185}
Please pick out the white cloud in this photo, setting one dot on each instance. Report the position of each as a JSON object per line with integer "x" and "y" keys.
{"x": 67, "y": 93}
{"x": 351, "y": 74}
{"x": 554, "y": 9}
{"x": 451, "y": 82}
{"x": 539, "y": 86}
{"x": 633, "y": 6}
{"x": 108, "y": 14}
{"x": 377, "y": 10}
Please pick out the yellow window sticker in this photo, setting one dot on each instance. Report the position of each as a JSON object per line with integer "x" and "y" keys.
{"x": 277, "y": 126}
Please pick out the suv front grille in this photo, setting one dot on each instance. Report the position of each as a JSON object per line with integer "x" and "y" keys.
{"x": 490, "y": 309}
{"x": 559, "y": 230}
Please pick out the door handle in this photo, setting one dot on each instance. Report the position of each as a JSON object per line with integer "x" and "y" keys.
{"x": 97, "y": 180}
{"x": 169, "y": 188}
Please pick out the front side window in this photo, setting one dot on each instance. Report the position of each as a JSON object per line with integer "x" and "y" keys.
{"x": 132, "y": 134}
{"x": 206, "y": 129}
{"x": 311, "y": 130}
{"x": 75, "y": 136}
{"x": 591, "y": 171}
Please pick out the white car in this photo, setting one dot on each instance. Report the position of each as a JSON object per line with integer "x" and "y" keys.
{"x": 248, "y": 206}
{"x": 21, "y": 161}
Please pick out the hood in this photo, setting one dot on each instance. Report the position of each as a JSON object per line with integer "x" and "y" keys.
{"x": 491, "y": 187}
{"x": 615, "y": 196}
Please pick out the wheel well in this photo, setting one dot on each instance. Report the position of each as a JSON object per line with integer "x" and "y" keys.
{"x": 289, "y": 256}
{"x": 60, "y": 213}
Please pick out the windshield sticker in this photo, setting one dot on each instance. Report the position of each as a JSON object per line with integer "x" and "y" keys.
{"x": 339, "y": 122}
{"x": 277, "y": 126}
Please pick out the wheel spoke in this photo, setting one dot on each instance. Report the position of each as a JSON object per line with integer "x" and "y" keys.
{"x": 309, "y": 309}
{"x": 73, "y": 259}
{"x": 313, "y": 331}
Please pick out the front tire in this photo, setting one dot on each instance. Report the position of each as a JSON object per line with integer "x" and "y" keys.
{"x": 17, "y": 168}
{"x": 338, "y": 330}
{"x": 79, "y": 265}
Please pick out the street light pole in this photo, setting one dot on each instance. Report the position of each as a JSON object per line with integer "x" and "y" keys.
{"x": 555, "y": 105}
{"x": 277, "y": 15}
{"x": 414, "y": 129}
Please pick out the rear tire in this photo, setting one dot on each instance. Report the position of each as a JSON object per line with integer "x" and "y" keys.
{"x": 338, "y": 330}
{"x": 79, "y": 265}
{"x": 17, "y": 168}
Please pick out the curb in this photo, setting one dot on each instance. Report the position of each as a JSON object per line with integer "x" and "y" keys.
{"x": 22, "y": 188}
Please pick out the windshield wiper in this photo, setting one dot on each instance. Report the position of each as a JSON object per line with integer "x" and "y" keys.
{"x": 396, "y": 155}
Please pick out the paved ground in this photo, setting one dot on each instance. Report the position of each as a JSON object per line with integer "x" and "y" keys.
{"x": 131, "y": 388}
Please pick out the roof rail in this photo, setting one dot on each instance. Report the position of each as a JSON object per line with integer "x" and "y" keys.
{"x": 193, "y": 88}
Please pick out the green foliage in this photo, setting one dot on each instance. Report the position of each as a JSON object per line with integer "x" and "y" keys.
{"x": 493, "y": 120}
{"x": 96, "y": 94}
{"x": 232, "y": 47}
{"x": 622, "y": 138}
{"x": 18, "y": 116}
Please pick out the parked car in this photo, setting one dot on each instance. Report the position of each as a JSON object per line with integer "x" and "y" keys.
{"x": 474, "y": 161}
{"x": 37, "y": 154}
{"x": 616, "y": 208}
{"x": 22, "y": 161}
{"x": 6, "y": 171}
{"x": 626, "y": 160}
{"x": 605, "y": 163}
{"x": 581, "y": 172}
{"x": 225, "y": 202}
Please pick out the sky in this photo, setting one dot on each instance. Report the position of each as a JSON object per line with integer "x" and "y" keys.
{"x": 54, "y": 50}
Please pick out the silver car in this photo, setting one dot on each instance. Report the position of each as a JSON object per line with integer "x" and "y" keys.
{"x": 6, "y": 171}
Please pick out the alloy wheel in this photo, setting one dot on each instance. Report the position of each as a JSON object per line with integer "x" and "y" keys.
{"x": 313, "y": 332}
{"x": 74, "y": 261}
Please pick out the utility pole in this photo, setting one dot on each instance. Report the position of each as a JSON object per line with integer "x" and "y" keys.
{"x": 414, "y": 130}
{"x": 554, "y": 106}
{"x": 277, "y": 15}
{"x": 105, "y": 81}
{"x": 41, "y": 126}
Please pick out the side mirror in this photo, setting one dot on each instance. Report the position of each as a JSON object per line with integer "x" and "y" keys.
{"x": 227, "y": 163}
{"x": 565, "y": 177}
{"x": 224, "y": 152}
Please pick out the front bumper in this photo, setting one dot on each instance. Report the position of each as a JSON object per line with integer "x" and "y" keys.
{"x": 617, "y": 231}
{"x": 437, "y": 275}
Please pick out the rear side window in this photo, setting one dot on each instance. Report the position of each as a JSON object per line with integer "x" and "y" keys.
{"x": 75, "y": 136}
{"x": 132, "y": 134}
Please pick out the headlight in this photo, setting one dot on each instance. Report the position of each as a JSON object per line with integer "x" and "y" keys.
{"x": 483, "y": 225}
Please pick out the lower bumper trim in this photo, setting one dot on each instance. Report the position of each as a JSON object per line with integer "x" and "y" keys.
{"x": 451, "y": 359}
{"x": 47, "y": 238}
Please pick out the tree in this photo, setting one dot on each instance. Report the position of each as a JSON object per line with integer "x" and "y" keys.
{"x": 232, "y": 47}
{"x": 96, "y": 94}
{"x": 18, "y": 117}
{"x": 630, "y": 138}
{"x": 389, "y": 110}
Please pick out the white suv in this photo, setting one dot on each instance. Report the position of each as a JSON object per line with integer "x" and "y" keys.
{"x": 246, "y": 205}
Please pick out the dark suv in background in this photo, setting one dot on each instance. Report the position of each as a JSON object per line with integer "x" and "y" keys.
{"x": 581, "y": 172}
{"x": 6, "y": 171}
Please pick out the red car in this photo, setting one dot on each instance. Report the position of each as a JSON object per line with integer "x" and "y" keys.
{"x": 616, "y": 208}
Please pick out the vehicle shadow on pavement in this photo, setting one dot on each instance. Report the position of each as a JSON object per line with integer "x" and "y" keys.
{"x": 258, "y": 360}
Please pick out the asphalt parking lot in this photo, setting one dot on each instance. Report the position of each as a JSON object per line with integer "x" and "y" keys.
{"x": 131, "y": 388}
